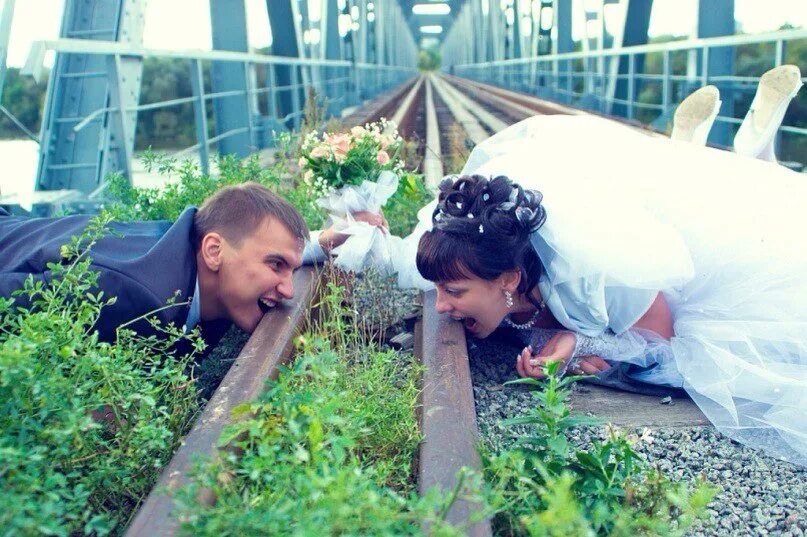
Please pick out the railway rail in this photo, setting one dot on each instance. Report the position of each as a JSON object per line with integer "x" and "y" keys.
{"x": 447, "y": 415}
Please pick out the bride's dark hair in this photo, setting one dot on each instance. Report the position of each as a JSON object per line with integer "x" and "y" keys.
{"x": 482, "y": 228}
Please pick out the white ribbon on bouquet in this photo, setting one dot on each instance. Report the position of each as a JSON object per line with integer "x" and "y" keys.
{"x": 367, "y": 245}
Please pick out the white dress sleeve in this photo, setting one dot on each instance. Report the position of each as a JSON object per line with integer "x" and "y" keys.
{"x": 589, "y": 306}
{"x": 313, "y": 252}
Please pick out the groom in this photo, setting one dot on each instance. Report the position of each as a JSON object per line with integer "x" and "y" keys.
{"x": 231, "y": 260}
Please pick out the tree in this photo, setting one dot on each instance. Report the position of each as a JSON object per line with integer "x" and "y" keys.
{"x": 23, "y": 98}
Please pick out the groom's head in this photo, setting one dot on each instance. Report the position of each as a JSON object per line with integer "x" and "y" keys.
{"x": 248, "y": 243}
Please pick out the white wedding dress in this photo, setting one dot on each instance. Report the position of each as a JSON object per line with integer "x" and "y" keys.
{"x": 724, "y": 237}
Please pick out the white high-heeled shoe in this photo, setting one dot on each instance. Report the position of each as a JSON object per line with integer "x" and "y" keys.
{"x": 694, "y": 116}
{"x": 758, "y": 130}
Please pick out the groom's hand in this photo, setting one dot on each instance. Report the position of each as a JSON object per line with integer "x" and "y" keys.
{"x": 330, "y": 238}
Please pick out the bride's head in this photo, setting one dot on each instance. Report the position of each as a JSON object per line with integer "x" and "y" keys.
{"x": 479, "y": 250}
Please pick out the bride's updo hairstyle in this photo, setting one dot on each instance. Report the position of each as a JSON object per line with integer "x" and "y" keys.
{"x": 482, "y": 228}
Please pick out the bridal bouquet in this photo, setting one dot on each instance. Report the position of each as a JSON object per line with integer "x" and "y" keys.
{"x": 355, "y": 171}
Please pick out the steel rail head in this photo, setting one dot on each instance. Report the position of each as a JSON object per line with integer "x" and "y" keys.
{"x": 473, "y": 129}
{"x": 448, "y": 417}
{"x": 269, "y": 347}
{"x": 528, "y": 105}
{"x": 382, "y": 106}
{"x": 433, "y": 158}
{"x": 524, "y": 103}
{"x": 406, "y": 107}
{"x": 492, "y": 122}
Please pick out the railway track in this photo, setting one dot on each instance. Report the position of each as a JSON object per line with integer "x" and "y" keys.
{"x": 447, "y": 415}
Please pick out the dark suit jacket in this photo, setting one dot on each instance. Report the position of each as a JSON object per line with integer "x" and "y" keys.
{"x": 143, "y": 264}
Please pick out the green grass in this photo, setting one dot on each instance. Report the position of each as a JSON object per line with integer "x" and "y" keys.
{"x": 328, "y": 449}
{"x": 85, "y": 426}
{"x": 190, "y": 187}
{"x": 545, "y": 486}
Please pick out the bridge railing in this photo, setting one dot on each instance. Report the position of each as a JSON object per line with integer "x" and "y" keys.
{"x": 613, "y": 81}
{"x": 271, "y": 107}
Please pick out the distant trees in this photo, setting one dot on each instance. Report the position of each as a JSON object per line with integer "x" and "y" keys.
{"x": 429, "y": 59}
{"x": 166, "y": 128}
{"x": 23, "y": 98}
{"x": 173, "y": 127}
{"x": 750, "y": 60}
{"x": 163, "y": 79}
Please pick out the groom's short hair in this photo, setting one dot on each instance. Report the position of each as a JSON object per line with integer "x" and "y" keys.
{"x": 236, "y": 212}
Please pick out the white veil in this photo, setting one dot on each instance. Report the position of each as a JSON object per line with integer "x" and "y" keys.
{"x": 594, "y": 226}
{"x": 719, "y": 233}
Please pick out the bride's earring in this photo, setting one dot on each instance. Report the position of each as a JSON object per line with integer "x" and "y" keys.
{"x": 508, "y": 299}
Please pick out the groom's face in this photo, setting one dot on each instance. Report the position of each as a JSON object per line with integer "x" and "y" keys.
{"x": 257, "y": 273}
{"x": 479, "y": 304}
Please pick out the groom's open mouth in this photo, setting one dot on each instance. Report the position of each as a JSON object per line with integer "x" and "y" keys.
{"x": 266, "y": 304}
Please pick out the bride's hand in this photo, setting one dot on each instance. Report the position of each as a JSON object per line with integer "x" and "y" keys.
{"x": 560, "y": 347}
{"x": 330, "y": 238}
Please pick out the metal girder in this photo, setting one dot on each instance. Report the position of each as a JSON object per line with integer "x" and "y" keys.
{"x": 562, "y": 42}
{"x": 285, "y": 42}
{"x": 331, "y": 50}
{"x": 516, "y": 46}
{"x": 6, "y": 17}
{"x": 228, "y": 21}
{"x": 81, "y": 84}
{"x": 715, "y": 19}
{"x": 637, "y": 22}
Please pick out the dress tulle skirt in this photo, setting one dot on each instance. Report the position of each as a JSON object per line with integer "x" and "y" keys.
{"x": 741, "y": 313}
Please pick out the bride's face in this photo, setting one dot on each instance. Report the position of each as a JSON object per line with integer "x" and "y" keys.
{"x": 478, "y": 303}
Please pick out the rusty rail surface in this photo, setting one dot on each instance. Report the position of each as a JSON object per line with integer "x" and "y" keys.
{"x": 520, "y": 106}
{"x": 269, "y": 347}
{"x": 528, "y": 102}
{"x": 404, "y": 116}
{"x": 448, "y": 417}
{"x": 447, "y": 413}
{"x": 382, "y": 106}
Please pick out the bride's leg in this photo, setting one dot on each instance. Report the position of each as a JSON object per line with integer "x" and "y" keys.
{"x": 694, "y": 116}
{"x": 757, "y": 133}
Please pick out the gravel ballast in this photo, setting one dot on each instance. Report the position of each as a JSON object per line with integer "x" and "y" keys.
{"x": 758, "y": 495}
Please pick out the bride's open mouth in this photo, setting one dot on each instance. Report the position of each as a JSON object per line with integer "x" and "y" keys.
{"x": 471, "y": 324}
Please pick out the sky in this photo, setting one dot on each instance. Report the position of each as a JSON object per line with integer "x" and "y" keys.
{"x": 39, "y": 19}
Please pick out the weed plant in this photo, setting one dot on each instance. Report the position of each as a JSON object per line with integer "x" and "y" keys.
{"x": 548, "y": 487}
{"x": 85, "y": 425}
{"x": 402, "y": 208}
{"x": 327, "y": 450}
{"x": 460, "y": 149}
{"x": 191, "y": 187}
{"x": 377, "y": 304}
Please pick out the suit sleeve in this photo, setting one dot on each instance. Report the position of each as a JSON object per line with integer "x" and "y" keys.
{"x": 12, "y": 281}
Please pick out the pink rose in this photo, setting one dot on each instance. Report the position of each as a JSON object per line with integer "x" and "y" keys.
{"x": 382, "y": 157}
{"x": 302, "y": 162}
{"x": 357, "y": 131}
{"x": 340, "y": 143}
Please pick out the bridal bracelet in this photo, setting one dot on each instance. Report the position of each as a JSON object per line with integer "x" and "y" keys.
{"x": 606, "y": 346}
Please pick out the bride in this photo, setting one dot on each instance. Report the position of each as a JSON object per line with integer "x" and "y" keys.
{"x": 688, "y": 262}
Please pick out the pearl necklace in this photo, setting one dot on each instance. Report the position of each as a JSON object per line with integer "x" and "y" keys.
{"x": 528, "y": 324}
